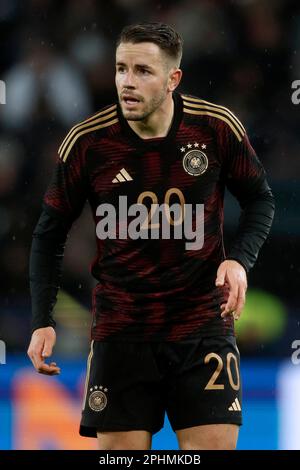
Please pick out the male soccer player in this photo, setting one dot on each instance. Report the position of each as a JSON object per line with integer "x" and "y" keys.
{"x": 162, "y": 332}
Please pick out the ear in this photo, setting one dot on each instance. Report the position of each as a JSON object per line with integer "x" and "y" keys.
{"x": 174, "y": 78}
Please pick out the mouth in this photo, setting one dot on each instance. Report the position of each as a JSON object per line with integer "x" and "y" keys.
{"x": 130, "y": 100}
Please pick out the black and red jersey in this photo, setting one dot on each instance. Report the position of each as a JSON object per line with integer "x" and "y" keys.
{"x": 156, "y": 289}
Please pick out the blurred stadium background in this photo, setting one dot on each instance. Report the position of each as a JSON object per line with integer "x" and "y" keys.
{"x": 57, "y": 61}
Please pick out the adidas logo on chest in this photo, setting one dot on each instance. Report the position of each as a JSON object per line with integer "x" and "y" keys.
{"x": 122, "y": 177}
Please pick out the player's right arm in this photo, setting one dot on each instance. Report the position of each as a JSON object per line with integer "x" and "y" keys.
{"x": 40, "y": 347}
{"x": 63, "y": 203}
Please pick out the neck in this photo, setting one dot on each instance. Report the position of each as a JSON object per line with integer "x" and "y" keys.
{"x": 158, "y": 123}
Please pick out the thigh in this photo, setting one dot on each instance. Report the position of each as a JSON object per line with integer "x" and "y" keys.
{"x": 128, "y": 440}
{"x": 208, "y": 437}
{"x": 205, "y": 387}
{"x": 122, "y": 391}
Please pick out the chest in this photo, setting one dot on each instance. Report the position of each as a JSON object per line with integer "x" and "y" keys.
{"x": 188, "y": 166}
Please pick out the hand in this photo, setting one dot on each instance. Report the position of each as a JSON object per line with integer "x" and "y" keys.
{"x": 41, "y": 345}
{"x": 232, "y": 274}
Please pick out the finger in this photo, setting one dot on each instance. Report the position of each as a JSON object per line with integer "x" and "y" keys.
{"x": 33, "y": 360}
{"x": 228, "y": 310}
{"x": 35, "y": 354}
{"x": 40, "y": 364}
{"x": 47, "y": 350}
{"x": 54, "y": 365}
{"x": 36, "y": 357}
{"x": 49, "y": 369}
{"x": 38, "y": 361}
{"x": 231, "y": 302}
{"x": 220, "y": 280}
{"x": 33, "y": 348}
{"x": 30, "y": 355}
{"x": 240, "y": 302}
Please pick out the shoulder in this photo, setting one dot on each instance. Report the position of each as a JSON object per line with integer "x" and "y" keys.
{"x": 219, "y": 117}
{"x": 83, "y": 131}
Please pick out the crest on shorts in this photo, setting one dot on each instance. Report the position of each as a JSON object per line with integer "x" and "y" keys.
{"x": 195, "y": 161}
{"x": 98, "y": 398}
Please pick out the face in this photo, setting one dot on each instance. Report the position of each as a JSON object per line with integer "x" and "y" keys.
{"x": 143, "y": 79}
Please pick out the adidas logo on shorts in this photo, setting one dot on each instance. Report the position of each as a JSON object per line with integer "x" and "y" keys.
{"x": 235, "y": 406}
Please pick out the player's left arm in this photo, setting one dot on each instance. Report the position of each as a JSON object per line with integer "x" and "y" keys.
{"x": 245, "y": 178}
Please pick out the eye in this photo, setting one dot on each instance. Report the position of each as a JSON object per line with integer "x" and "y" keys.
{"x": 121, "y": 69}
{"x": 145, "y": 72}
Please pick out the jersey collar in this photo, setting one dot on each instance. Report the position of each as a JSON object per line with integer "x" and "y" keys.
{"x": 156, "y": 141}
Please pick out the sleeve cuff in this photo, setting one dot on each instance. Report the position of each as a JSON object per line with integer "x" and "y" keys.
{"x": 240, "y": 261}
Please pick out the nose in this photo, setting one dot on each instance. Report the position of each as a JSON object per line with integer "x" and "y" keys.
{"x": 129, "y": 80}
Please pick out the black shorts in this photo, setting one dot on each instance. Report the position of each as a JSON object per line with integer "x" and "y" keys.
{"x": 130, "y": 386}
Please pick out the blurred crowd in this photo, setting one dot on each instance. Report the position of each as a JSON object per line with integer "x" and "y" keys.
{"x": 57, "y": 61}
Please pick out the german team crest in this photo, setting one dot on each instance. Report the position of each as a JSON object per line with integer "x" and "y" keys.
{"x": 195, "y": 162}
{"x": 98, "y": 398}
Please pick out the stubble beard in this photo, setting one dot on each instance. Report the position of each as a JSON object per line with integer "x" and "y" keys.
{"x": 150, "y": 108}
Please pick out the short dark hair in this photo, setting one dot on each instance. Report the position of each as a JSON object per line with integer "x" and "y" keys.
{"x": 159, "y": 33}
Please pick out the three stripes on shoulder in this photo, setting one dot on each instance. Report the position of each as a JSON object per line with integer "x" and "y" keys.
{"x": 98, "y": 121}
{"x": 205, "y": 108}
{"x": 109, "y": 116}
